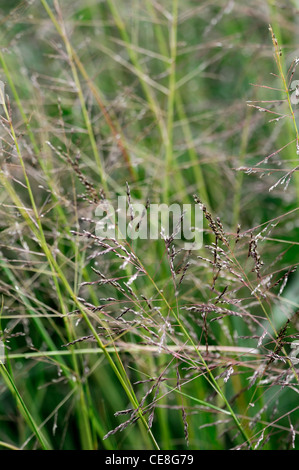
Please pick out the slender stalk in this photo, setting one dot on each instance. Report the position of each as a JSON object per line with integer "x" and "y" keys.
{"x": 116, "y": 131}
{"x": 283, "y": 79}
{"x": 37, "y": 229}
{"x": 291, "y": 125}
{"x": 171, "y": 99}
{"x": 11, "y": 384}
{"x": 151, "y": 99}
{"x": 69, "y": 50}
{"x": 211, "y": 379}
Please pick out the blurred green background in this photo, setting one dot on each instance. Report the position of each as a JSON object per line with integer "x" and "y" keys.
{"x": 153, "y": 94}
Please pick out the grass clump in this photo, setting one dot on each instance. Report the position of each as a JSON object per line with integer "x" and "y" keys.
{"x": 122, "y": 343}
